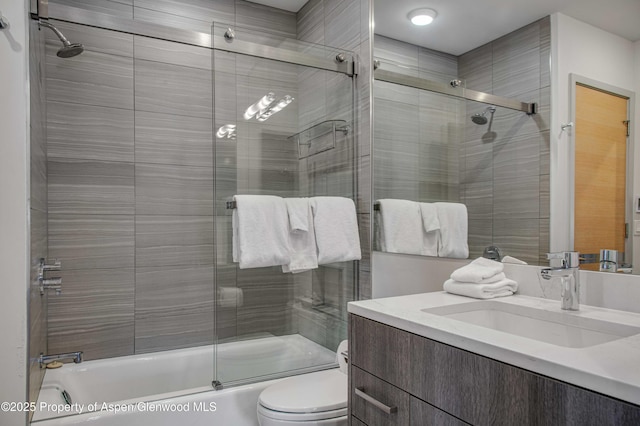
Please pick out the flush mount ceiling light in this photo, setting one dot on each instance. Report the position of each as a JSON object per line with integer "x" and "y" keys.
{"x": 422, "y": 16}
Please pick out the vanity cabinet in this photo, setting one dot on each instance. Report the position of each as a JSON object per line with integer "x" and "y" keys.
{"x": 399, "y": 378}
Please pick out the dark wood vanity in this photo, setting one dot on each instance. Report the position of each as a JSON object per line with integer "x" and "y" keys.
{"x": 400, "y": 378}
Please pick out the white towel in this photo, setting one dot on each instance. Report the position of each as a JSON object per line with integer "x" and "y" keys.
{"x": 513, "y": 260}
{"x": 431, "y": 229}
{"x": 302, "y": 239}
{"x": 336, "y": 226}
{"x": 260, "y": 231}
{"x": 401, "y": 228}
{"x": 477, "y": 271}
{"x": 505, "y": 287}
{"x": 453, "y": 230}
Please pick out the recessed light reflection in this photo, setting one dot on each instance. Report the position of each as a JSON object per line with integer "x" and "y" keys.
{"x": 227, "y": 131}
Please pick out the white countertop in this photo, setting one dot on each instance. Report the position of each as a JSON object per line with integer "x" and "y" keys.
{"x": 611, "y": 368}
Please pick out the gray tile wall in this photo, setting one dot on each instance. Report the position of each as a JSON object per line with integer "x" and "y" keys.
{"x": 131, "y": 178}
{"x": 430, "y": 150}
{"x": 38, "y": 211}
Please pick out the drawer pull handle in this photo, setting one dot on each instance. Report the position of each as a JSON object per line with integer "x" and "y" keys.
{"x": 389, "y": 410}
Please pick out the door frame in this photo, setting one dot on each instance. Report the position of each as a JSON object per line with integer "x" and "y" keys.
{"x": 575, "y": 79}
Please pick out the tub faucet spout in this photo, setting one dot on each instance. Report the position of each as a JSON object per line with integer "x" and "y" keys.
{"x": 565, "y": 265}
{"x": 46, "y": 359}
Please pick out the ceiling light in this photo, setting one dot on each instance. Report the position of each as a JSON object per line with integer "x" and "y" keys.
{"x": 260, "y": 106}
{"x": 422, "y": 16}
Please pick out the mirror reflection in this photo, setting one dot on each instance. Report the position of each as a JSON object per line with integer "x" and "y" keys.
{"x": 431, "y": 148}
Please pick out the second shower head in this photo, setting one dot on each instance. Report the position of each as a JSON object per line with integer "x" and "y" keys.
{"x": 481, "y": 118}
{"x": 68, "y": 49}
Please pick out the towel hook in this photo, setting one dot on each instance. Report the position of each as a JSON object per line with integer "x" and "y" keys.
{"x": 566, "y": 126}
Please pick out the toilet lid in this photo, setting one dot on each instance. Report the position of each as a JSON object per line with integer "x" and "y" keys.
{"x": 308, "y": 393}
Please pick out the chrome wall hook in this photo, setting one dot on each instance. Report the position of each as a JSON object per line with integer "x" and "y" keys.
{"x": 566, "y": 126}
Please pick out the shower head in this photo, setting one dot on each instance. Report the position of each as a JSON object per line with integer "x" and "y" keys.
{"x": 68, "y": 49}
{"x": 480, "y": 118}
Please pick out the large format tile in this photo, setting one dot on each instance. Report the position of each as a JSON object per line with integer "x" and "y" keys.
{"x": 340, "y": 28}
{"x": 516, "y": 156}
{"x": 119, "y": 8}
{"x": 265, "y": 19}
{"x": 518, "y": 238}
{"x": 172, "y": 139}
{"x": 310, "y": 22}
{"x": 91, "y": 79}
{"x": 174, "y": 240}
{"x": 395, "y": 51}
{"x": 91, "y": 187}
{"x": 94, "y": 313}
{"x": 174, "y": 308}
{"x": 91, "y": 241}
{"x": 202, "y": 10}
{"x": 174, "y": 190}
{"x": 89, "y": 132}
{"x": 173, "y": 89}
{"x": 517, "y": 198}
{"x": 169, "y": 20}
{"x": 168, "y": 52}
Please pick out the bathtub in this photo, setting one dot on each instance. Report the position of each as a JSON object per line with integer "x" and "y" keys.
{"x": 174, "y": 387}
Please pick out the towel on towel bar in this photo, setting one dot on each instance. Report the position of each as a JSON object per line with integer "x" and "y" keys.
{"x": 453, "y": 230}
{"x": 431, "y": 225}
{"x": 336, "y": 226}
{"x": 302, "y": 239}
{"x": 400, "y": 227}
{"x": 505, "y": 287}
{"x": 260, "y": 231}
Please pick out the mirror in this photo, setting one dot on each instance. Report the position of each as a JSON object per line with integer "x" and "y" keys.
{"x": 430, "y": 147}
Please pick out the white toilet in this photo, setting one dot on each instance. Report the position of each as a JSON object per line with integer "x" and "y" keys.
{"x": 318, "y": 398}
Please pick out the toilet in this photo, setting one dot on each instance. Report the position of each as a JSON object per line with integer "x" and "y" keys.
{"x": 318, "y": 398}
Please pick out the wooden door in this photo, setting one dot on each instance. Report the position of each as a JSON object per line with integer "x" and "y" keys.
{"x": 600, "y": 171}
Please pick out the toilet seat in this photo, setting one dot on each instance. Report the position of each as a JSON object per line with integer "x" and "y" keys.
{"x": 317, "y": 396}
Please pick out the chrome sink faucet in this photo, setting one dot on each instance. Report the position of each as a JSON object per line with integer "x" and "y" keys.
{"x": 565, "y": 265}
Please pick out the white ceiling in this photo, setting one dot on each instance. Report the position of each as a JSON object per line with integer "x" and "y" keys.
{"x": 463, "y": 25}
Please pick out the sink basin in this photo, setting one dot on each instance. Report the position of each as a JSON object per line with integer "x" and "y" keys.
{"x": 558, "y": 328}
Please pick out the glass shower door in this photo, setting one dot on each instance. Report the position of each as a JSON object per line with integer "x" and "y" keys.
{"x": 283, "y": 127}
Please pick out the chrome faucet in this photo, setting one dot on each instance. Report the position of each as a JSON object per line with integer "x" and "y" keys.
{"x": 565, "y": 265}
{"x": 46, "y": 359}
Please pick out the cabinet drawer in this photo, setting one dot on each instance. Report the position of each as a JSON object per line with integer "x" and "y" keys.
{"x": 380, "y": 350}
{"x": 423, "y": 414}
{"x": 376, "y": 402}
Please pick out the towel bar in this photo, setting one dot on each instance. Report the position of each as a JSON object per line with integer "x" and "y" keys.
{"x": 231, "y": 205}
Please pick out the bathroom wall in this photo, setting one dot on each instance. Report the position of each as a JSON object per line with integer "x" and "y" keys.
{"x": 38, "y": 210}
{"x": 14, "y": 208}
{"x": 430, "y": 149}
{"x": 131, "y": 185}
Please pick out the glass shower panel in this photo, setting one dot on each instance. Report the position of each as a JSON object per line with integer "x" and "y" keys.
{"x": 269, "y": 323}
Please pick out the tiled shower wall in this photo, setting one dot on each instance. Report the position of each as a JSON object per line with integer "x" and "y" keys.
{"x": 131, "y": 208}
{"x": 502, "y": 177}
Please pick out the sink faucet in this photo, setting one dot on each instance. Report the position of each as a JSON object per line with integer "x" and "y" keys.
{"x": 565, "y": 265}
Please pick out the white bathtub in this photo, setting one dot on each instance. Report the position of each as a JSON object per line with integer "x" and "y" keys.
{"x": 174, "y": 387}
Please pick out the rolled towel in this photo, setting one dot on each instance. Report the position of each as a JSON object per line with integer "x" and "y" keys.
{"x": 505, "y": 287}
{"x": 478, "y": 270}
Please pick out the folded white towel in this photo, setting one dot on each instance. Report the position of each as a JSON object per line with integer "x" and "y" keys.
{"x": 453, "y": 230}
{"x": 431, "y": 227}
{"x": 505, "y": 287}
{"x": 260, "y": 231}
{"x": 302, "y": 239}
{"x": 477, "y": 271}
{"x": 336, "y": 226}
{"x": 513, "y": 260}
{"x": 401, "y": 228}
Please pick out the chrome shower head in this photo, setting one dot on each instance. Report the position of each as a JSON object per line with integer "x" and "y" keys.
{"x": 480, "y": 118}
{"x": 68, "y": 49}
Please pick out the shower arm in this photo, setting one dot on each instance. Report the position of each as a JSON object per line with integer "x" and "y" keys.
{"x": 61, "y": 36}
